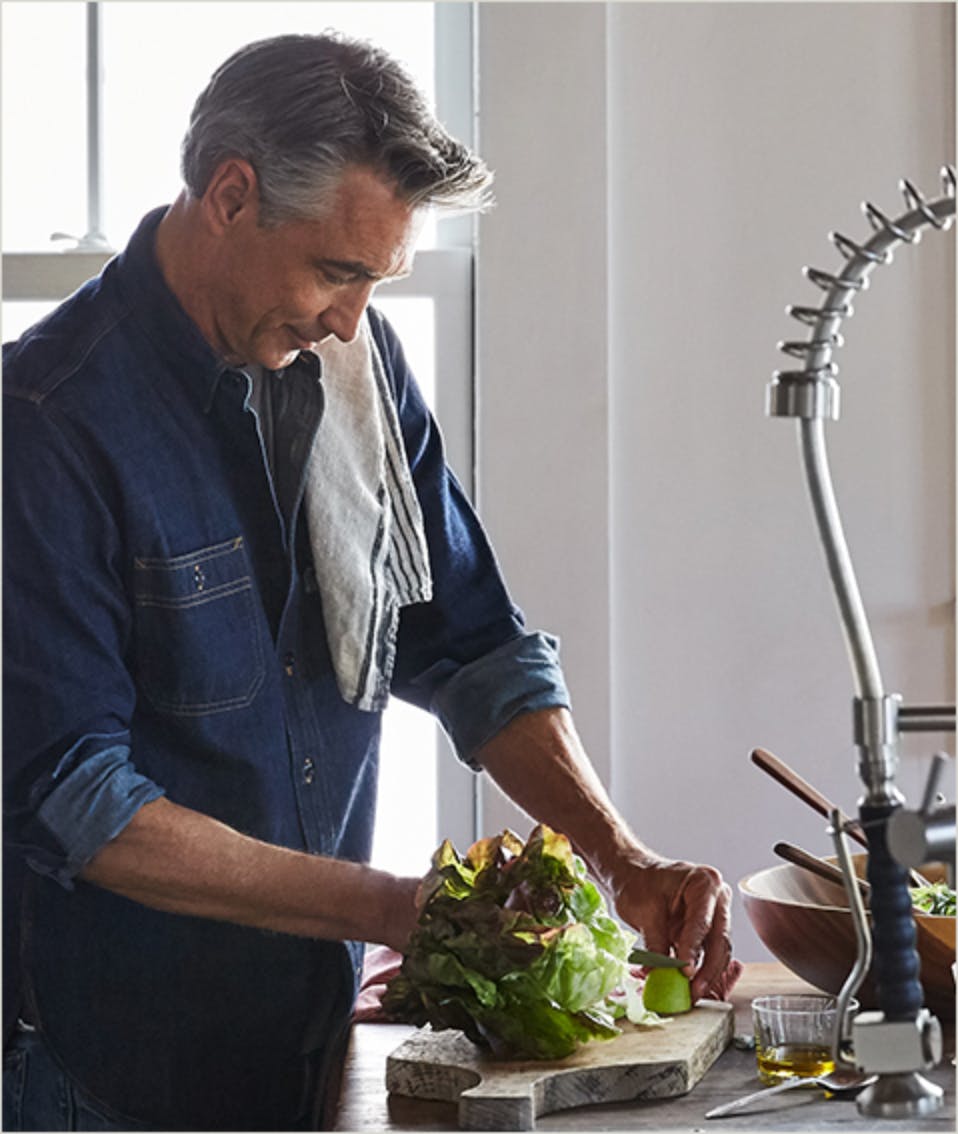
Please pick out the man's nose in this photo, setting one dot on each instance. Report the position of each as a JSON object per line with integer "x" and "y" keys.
{"x": 343, "y": 316}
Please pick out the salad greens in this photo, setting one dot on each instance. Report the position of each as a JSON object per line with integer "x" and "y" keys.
{"x": 515, "y": 947}
{"x": 936, "y": 898}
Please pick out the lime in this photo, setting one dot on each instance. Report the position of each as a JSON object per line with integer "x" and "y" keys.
{"x": 667, "y": 992}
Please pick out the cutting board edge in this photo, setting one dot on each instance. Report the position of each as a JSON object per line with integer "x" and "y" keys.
{"x": 404, "y": 1076}
{"x": 556, "y": 1089}
{"x": 481, "y": 1109}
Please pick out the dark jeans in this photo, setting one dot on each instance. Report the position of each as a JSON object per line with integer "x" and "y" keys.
{"x": 37, "y": 1095}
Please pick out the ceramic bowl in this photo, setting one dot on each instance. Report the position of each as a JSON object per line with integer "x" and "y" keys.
{"x": 805, "y": 922}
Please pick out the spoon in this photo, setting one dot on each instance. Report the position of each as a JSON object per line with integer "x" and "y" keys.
{"x": 817, "y": 866}
{"x": 837, "y": 1082}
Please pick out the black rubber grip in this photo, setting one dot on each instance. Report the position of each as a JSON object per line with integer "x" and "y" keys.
{"x": 896, "y": 967}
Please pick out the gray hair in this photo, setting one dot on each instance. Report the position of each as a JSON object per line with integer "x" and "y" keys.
{"x": 301, "y": 108}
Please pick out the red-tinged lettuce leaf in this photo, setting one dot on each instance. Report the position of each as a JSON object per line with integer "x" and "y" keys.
{"x": 514, "y": 947}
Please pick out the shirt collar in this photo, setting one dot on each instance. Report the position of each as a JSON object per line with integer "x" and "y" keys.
{"x": 172, "y": 333}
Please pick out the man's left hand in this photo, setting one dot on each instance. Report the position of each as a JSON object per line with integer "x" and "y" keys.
{"x": 683, "y": 909}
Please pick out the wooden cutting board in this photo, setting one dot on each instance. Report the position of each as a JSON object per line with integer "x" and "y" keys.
{"x": 641, "y": 1063}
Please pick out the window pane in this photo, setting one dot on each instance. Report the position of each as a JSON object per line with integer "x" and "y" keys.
{"x": 149, "y": 93}
{"x": 17, "y": 317}
{"x": 157, "y": 56}
{"x": 406, "y": 831}
{"x": 414, "y": 320}
{"x": 44, "y": 122}
{"x": 406, "y": 809}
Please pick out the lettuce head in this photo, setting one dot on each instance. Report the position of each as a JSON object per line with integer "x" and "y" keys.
{"x": 515, "y": 947}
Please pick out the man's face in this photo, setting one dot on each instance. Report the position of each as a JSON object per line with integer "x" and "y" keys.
{"x": 281, "y": 290}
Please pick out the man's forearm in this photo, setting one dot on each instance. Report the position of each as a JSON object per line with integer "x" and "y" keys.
{"x": 539, "y": 762}
{"x": 175, "y": 859}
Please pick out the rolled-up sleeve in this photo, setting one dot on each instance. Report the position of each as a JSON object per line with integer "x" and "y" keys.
{"x": 90, "y": 805}
{"x": 484, "y": 696}
{"x": 70, "y": 785}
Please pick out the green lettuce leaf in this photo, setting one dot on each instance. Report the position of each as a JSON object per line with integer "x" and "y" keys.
{"x": 514, "y": 947}
{"x": 935, "y": 898}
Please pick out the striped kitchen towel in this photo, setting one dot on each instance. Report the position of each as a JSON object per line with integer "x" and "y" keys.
{"x": 365, "y": 524}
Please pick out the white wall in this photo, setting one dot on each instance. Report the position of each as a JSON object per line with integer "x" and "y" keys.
{"x": 543, "y": 405}
{"x": 664, "y": 172}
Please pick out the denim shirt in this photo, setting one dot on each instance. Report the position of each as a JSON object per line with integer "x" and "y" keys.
{"x": 163, "y": 635}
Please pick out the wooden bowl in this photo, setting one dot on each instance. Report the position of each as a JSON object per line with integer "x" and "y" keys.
{"x": 805, "y": 922}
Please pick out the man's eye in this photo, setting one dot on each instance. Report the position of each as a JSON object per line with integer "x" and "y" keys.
{"x": 335, "y": 279}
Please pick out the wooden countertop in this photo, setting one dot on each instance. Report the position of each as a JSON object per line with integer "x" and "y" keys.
{"x": 365, "y": 1104}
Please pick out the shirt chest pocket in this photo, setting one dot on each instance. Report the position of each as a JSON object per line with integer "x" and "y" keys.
{"x": 198, "y": 646}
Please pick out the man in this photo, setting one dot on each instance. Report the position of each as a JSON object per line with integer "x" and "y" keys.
{"x": 229, "y": 533}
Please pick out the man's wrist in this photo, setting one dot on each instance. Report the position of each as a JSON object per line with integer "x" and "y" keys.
{"x": 616, "y": 864}
{"x": 400, "y": 912}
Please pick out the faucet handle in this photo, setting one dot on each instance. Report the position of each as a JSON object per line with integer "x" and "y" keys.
{"x": 931, "y": 799}
{"x": 927, "y": 834}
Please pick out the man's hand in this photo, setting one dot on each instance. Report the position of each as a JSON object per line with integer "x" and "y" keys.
{"x": 680, "y": 908}
{"x": 538, "y": 760}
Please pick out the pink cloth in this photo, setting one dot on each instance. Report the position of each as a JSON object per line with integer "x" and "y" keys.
{"x": 382, "y": 963}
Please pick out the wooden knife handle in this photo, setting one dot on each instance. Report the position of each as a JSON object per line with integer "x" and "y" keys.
{"x": 791, "y": 780}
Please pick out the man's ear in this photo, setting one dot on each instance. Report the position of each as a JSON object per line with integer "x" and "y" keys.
{"x": 231, "y": 193}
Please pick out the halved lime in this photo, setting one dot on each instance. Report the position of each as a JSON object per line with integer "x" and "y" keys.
{"x": 667, "y": 992}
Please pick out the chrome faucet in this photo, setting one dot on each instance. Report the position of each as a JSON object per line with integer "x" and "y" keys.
{"x": 902, "y": 1038}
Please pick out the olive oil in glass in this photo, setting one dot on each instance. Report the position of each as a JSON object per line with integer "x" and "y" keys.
{"x": 785, "y": 1061}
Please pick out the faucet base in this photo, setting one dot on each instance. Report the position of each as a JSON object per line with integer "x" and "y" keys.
{"x": 900, "y": 1095}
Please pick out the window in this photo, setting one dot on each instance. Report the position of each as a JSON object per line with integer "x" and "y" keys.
{"x": 84, "y": 160}
{"x": 147, "y": 95}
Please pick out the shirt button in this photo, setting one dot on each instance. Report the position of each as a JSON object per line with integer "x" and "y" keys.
{"x": 309, "y": 771}
{"x": 289, "y": 664}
